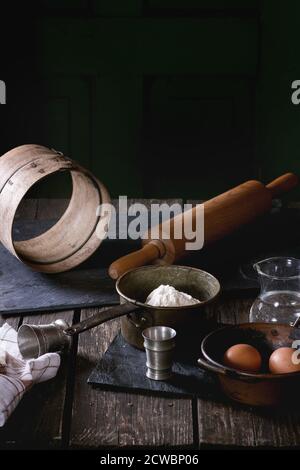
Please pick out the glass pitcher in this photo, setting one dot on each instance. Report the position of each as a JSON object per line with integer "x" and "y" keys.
{"x": 279, "y": 298}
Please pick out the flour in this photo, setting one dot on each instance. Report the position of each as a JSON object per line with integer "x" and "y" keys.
{"x": 168, "y": 296}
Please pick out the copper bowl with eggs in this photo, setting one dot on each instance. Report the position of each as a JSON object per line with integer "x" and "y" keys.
{"x": 261, "y": 388}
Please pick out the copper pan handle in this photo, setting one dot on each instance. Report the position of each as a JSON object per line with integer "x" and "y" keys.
{"x": 101, "y": 317}
{"x": 230, "y": 373}
{"x": 204, "y": 364}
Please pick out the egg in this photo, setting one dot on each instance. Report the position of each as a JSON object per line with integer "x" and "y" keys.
{"x": 281, "y": 361}
{"x": 243, "y": 357}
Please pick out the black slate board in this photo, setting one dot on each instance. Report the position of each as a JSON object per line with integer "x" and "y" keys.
{"x": 230, "y": 260}
{"x": 123, "y": 367}
{"x": 24, "y": 290}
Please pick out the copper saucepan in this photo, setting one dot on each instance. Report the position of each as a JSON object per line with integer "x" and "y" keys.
{"x": 262, "y": 389}
{"x": 133, "y": 288}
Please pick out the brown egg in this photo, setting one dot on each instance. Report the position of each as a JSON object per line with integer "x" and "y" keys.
{"x": 243, "y": 357}
{"x": 281, "y": 361}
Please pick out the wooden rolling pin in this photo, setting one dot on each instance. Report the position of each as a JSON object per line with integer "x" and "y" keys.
{"x": 222, "y": 215}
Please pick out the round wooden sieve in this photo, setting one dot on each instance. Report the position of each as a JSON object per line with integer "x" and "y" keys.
{"x": 75, "y": 236}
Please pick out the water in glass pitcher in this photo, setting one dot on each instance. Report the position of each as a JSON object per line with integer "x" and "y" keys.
{"x": 279, "y": 298}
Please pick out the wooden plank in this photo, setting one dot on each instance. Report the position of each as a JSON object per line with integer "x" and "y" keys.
{"x": 38, "y": 420}
{"x": 224, "y": 424}
{"x": 46, "y": 208}
{"x": 12, "y": 321}
{"x": 231, "y": 311}
{"x": 276, "y": 428}
{"x": 149, "y": 201}
{"x": 120, "y": 226}
{"x": 27, "y": 210}
{"x": 51, "y": 208}
{"x": 41, "y": 209}
{"x": 102, "y": 418}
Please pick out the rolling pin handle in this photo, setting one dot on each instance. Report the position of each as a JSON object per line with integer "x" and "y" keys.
{"x": 283, "y": 184}
{"x": 146, "y": 255}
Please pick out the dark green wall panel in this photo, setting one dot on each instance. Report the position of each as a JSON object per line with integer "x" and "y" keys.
{"x": 67, "y": 119}
{"x": 117, "y": 118}
{"x": 147, "y": 46}
{"x": 156, "y": 98}
{"x": 217, "y": 4}
{"x": 141, "y": 93}
{"x": 278, "y": 120}
{"x": 198, "y": 134}
{"x": 117, "y": 8}
{"x": 64, "y": 4}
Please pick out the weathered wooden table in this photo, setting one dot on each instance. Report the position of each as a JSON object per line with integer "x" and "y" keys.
{"x": 68, "y": 413}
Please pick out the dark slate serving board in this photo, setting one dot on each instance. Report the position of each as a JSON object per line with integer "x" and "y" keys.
{"x": 24, "y": 290}
{"x": 123, "y": 367}
{"x": 230, "y": 260}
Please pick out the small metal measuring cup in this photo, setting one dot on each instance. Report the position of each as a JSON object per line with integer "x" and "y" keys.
{"x": 159, "y": 343}
{"x": 36, "y": 340}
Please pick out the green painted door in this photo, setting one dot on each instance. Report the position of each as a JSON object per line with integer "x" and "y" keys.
{"x": 155, "y": 97}
{"x": 159, "y": 98}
